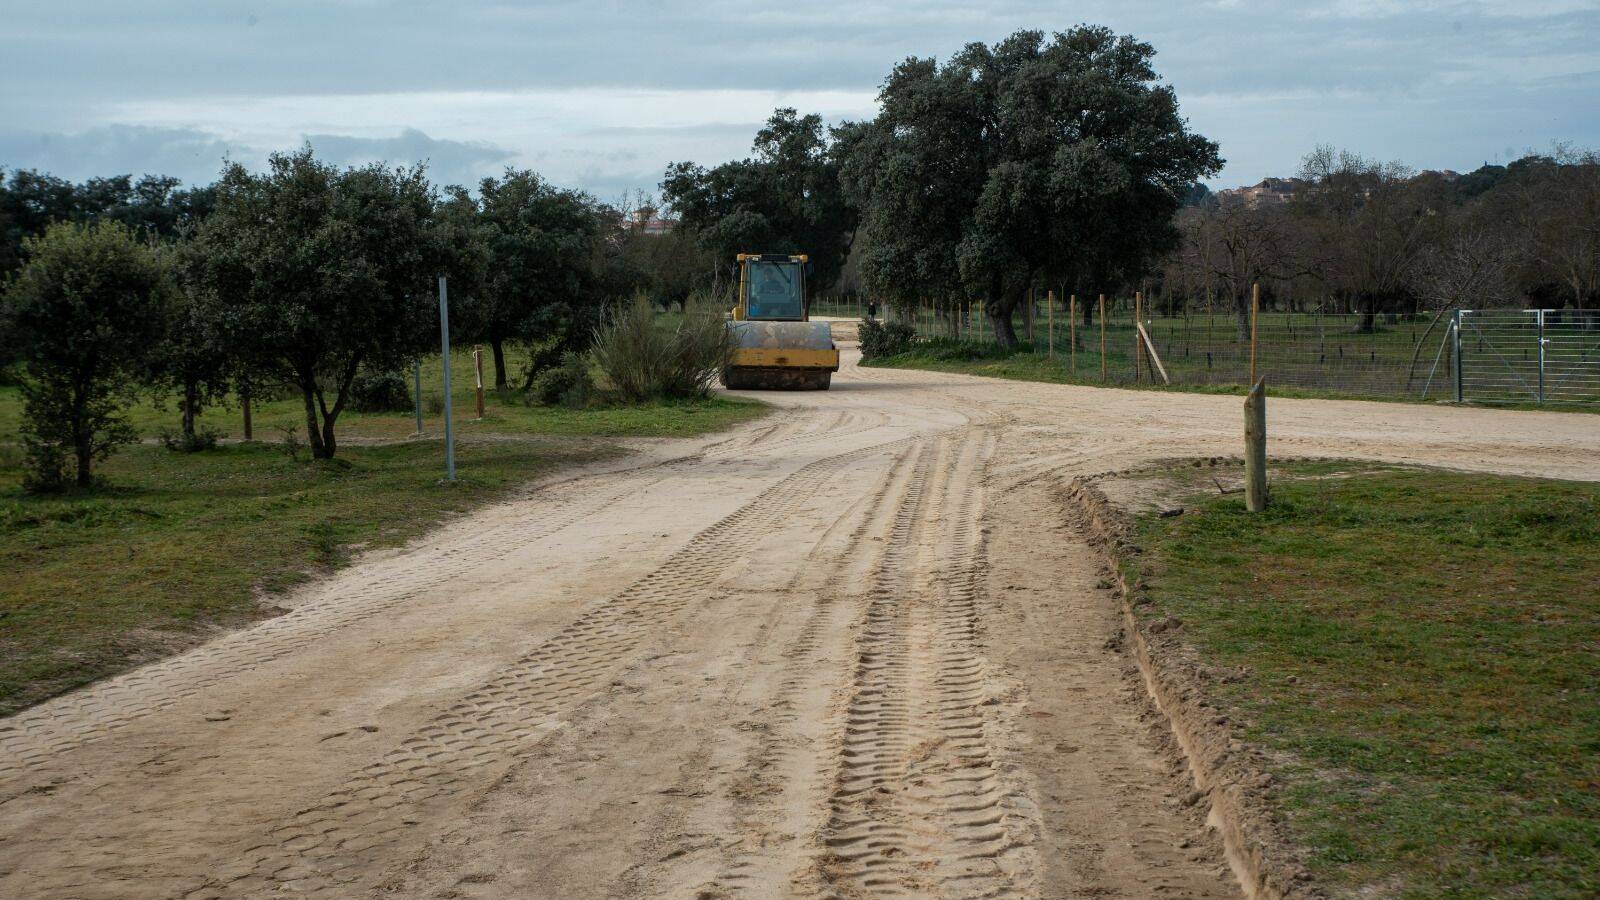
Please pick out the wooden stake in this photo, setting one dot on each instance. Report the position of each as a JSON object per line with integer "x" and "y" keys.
{"x": 477, "y": 365}
{"x": 1255, "y": 311}
{"x": 1255, "y": 447}
{"x": 1050, "y": 322}
{"x": 1150, "y": 347}
{"x": 1072, "y": 328}
{"x": 1138, "y": 348}
{"x": 1102, "y": 337}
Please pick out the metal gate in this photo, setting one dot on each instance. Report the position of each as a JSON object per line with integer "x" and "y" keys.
{"x": 1527, "y": 356}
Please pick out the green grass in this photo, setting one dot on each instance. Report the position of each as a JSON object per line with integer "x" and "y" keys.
{"x": 1423, "y": 657}
{"x": 175, "y": 546}
{"x": 1031, "y": 363}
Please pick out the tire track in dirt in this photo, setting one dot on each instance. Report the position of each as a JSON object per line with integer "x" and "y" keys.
{"x": 330, "y": 844}
{"x": 770, "y": 801}
{"x": 32, "y": 738}
{"x": 919, "y": 805}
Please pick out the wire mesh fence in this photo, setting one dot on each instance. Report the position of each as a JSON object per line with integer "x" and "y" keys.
{"x": 1534, "y": 356}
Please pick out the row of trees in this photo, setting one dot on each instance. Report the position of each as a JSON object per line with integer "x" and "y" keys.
{"x": 1061, "y": 162}
{"x": 301, "y": 278}
{"x": 1039, "y": 160}
{"x": 1361, "y": 236}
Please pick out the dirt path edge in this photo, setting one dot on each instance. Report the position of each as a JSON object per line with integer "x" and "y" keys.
{"x": 1225, "y": 774}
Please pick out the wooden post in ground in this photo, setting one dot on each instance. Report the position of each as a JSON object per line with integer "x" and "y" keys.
{"x": 1050, "y": 323}
{"x": 1138, "y": 348}
{"x": 1072, "y": 329}
{"x": 1255, "y": 311}
{"x": 1103, "y": 337}
{"x": 477, "y": 366}
{"x": 1255, "y": 447}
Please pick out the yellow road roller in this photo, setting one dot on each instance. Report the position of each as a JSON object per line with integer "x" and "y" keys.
{"x": 776, "y": 346}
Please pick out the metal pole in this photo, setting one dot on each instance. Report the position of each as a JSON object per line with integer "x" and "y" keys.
{"x": 1539, "y": 314}
{"x": 444, "y": 343}
{"x": 1456, "y": 327}
{"x": 416, "y": 384}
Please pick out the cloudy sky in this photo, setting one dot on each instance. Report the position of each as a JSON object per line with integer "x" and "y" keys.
{"x": 602, "y": 94}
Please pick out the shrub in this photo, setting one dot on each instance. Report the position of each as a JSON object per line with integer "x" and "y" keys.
{"x": 568, "y": 384}
{"x": 646, "y": 359}
{"x": 885, "y": 339}
{"x": 376, "y": 392}
{"x": 83, "y": 314}
{"x": 202, "y": 438}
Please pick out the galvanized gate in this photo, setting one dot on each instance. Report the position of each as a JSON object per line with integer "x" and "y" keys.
{"x": 1527, "y": 355}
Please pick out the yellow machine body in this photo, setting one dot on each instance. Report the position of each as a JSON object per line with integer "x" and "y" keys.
{"x": 776, "y": 346}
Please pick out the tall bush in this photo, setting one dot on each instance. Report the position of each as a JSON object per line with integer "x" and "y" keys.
{"x": 646, "y": 358}
{"x": 82, "y": 314}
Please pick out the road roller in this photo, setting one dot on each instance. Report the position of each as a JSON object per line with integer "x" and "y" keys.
{"x": 776, "y": 346}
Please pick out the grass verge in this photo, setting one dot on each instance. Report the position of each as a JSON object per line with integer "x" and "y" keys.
{"x": 1421, "y": 652}
{"x": 177, "y": 546}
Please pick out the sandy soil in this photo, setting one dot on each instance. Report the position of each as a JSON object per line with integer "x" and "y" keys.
{"x": 850, "y": 650}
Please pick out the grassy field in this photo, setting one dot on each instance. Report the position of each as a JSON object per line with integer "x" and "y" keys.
{"x": 175, "y": 546}
{"x": 1422, "y": 650}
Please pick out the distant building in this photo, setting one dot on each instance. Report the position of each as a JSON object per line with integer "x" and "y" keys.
{"x": 1270, "y": 192}
{"x": 645, "y": 221}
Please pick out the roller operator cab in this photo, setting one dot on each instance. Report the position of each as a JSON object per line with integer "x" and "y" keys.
{"x": 776, "y": 346}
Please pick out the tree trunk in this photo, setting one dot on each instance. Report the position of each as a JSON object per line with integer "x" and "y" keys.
{"x": 1000, "y": 317}
{"x": 82, "y": 439}
{"x": 313, "y": 428}
{"x": 1241, "y": 311}
{"x": 499, "y": 348}
{"x": 191, "y": 392}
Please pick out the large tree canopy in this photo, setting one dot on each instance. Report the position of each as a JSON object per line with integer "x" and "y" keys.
{"x": 313, "y": 272}
{"x": 785, "y": 199}
{"x": 541, "y": 277}
{"x": 1035, "y": 161}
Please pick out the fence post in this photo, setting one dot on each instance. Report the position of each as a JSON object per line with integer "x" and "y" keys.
{"x": 1138, "y": 351}
{"x": 1456, "y": 347}
{"x": 1255, "y": 447}
{"x": 477, "y": 370}
{"x": 1255, "y": 312}
{"x": 1050, "y": 323}
{"x": 1539, "y": 315}
{"x": 1102, "y": 337}
{"x": 1072, "y": 330}
{"x": 416, "y": 382}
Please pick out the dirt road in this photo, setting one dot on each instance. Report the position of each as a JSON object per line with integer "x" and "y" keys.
{"x": 850, "y": 650}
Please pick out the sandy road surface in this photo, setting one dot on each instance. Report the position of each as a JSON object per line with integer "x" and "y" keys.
{"x": 850, "y": 650}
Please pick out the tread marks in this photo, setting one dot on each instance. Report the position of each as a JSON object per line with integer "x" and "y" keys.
{"x": 322, "y": 846}
{"x": 31, "y": 738}
{"x": 920, "y": 805}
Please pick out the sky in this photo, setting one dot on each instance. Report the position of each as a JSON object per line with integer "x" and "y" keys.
{"x": 601, "y": 95}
